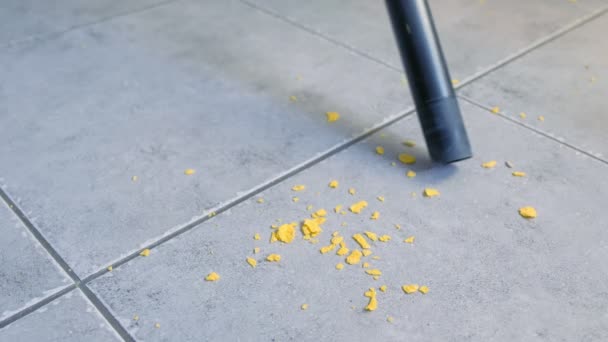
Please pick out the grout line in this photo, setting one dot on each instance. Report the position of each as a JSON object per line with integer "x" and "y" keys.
{"x": 534, "y": 129}
{"x": 540, "y": 42}
{"x": 103, "y": 310}
{"x": 344, "y": 45}
{"x": 51, "y": 35}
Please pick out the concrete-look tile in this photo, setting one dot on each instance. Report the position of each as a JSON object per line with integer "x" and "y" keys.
{"x": 474, "y": 34}
{"x": 492, "y": 274}
{"x": 22, "y": 19}
{"x": 565, "y": 81}
{"x": 68, "y": 318}
{"x": 28, "y": 272}
{"x": 152, "y": 94}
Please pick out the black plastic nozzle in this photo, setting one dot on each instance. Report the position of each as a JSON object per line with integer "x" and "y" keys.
{"x": 429, "y": 80}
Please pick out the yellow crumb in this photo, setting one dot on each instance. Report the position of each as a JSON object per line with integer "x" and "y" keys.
{"x": 409, "y": 143}
{"x": 309, "y": 207}
{"x": 327, "y": 248}
{"x": 286, "y": 232}
{"x": 374, "y": 272}
{"x": 389, "y": 319}
{"x": 380, "y": 150}
{"x": 489, "y": 165}
{"x": 375, "y": 257}
{"x": 366, "y": 252}
{"x": 383, "y": 288}
{"x": 352, "y": 191}
{"x": 410, "y": 239}
{"x": 319, "y": 213}
{"x": 342, "y": 251}
{"x": 110, "y": 268}
{"x": 136, "y": 318}
{"x": 274, "y": 226}
{"x": 293, "y": 98}
{"x": 423, "y": 289}
{"x": 212, "y": 277}
{"x": 336, "y": 240}
{"x": 273, "y": 257}
{"x": 393, "y": 164}
{"x": 256, "y": 250}
{"x": 295, "y": 199}
{"x": 519, "y": 174}
{"x": 541, "y": 118}
{"x": 522, "y": 115}
{"x": 430, "y": 192}
{"x": 397, "y": 226}
{"x": 252, "y": 262}
{"x": 380, "y": 198}
{"x": 354, "y": 257}
{"x": 332, "y": 116}
{"x": 357, "y": 207}
{"x": 407, "y": 158}
{"x": 376, "y": 277}
{"x": 145, "y": 252}
{"x": 157, "y": 325}
{"x": 260, "y": 200}
{"x": 411, "y": 174}
{"x": 256, "y": 236}
{"x": 371, "y": 236}
{"x": 527, "y": 212}
{"x": 338, "y": 208}
{"x": 411, "y": 288}
{"x": 384, "y": 238}
{"x": 375, "y": 215}
{"x": 134, "y": 178}
{"x": 304, "y": 306}
{"x": 333, "y": 184}
{"x": 273, "y": 237}
{"x": 298, "y": 187}
{"x": 312, "y": 227}
{"x": 495, "y": 110}
{"x": 455, "y": 82}
{"x": 365, "y": 265}
{"x": 373, "y": 303}
{"x": 361, "y": 241}
{"x": 189, "y": 172}
{"x": 339, "y": 266}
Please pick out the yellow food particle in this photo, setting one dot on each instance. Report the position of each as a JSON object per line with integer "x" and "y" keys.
{"x": 410, "y": 239}
{"x": 256, "y": 236}
{"x": 295, "y": 199}
{"x": 366, "y": 252}
{"x": 286, "y": 232}
{"x": 519, "y": 174}
{"x": 319, "y": 213}
{"x": 332, "y": 116}
{"x": 385, "y": 238}
{"x": 373, "y": 303}
{"x": 383, "y": 288}
{"x": 374, "y": 272}
{"x": 110, "y": 268}
{"x": 361, "y": 241}
{"x": 342, "y": 251}
{"x": 455, "y": 82}
{"x": 212, "y": 277}
{"x": 145, "y": 252}
{"x": 411, "y": 174}
{"x": 273, "y": 237}
{"x": 371, "y": 236}
{"x": 260, "y": 200}
{"x": 397, "y": 226}
{"x": 189, "y": 172}
{"x": 411, "y": 288}
{"x": 312, "y": 227}
{"x": 333, "y": 184}
{"x": 293, "y": 98}
{"x": 357, "y": 207}
{"x": 375, "y": 215}
{"x": 327, "y": 248}
{"x": 389, "y": 319}
{"x": 423, "y": 289}
{"x": 256, "y": 250}
{"x": 136, "y": 318}
{"x": 489, "y": 165}
{"x": 380, "y": 150}
{"x": 134, "y": 178}
{"x": 352, "y": 191}
{"x": 527, "y": 212}
{"x": 336, "y": 240}
{"x": 522, "y": 115}
{"x": 338, "y": 208}
{"x": 495, "y": 110}
{"x": 354, "y": 257}
{"x": 393, "y": 164}
{"x": 304, "y": 306}
{"x": 334, "y": 234}
{"x": 298, "y": 187}
{"x": 375, "y": 257}
{"x": 407, "y": 158}
{"x": 430, "y": 192}
{"x": 157, "y": 325}
{"x": 409, "y": 143}
{"x": 365, "y": 265}
{"x": 339, "y": 266}
{"x": 252, "y": 262}
{"x": 273, "y": 258}
{"x": 380, "y": 198}
{"x": 309, "y": 207}
{"x": 541, "y": 118}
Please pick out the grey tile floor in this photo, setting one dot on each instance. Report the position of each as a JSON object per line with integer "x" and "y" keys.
{"x": 92, "y": 94}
